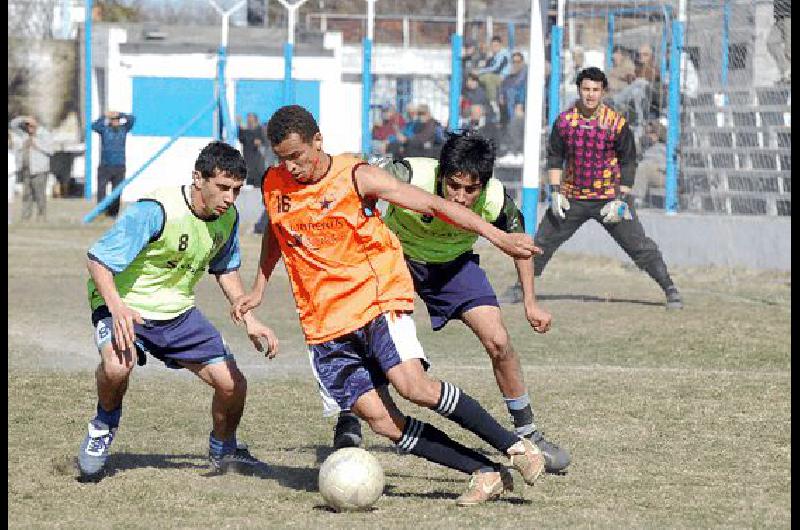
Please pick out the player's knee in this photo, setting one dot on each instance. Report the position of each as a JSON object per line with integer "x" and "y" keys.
{"x": 385, "y": 426}
{"x": 498, "y": 346}
{"x": 233, "y": 386}
{"x": 116, "y": 366}
{"x": 421, "y": 390}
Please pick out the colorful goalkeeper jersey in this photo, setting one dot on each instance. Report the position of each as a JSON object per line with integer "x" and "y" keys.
{"x": 597, "y": 153}
{"x": 158, "y": 249}
{"x": 345, "y": 266}
{"x": 428, "y": 239}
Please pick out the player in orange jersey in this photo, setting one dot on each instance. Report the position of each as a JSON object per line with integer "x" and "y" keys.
{"x": 354, "y": 295}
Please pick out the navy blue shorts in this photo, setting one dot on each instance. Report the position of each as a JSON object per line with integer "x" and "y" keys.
{"x": 189, "y": 337}
{"x": 450, "y": 289}
{"x": 349, "y": 366}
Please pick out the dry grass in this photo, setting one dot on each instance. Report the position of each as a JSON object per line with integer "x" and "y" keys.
{"x": 673, "y": 419}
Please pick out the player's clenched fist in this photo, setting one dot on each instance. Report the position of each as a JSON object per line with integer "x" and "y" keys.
{"x": 242, "y": 305}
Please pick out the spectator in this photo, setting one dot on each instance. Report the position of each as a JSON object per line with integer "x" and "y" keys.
{"x": 470, "y": 60}
{"x": 512, "y": 89}
{"x": 251, "y": 137}
{"x": 779, "y": 41}
{"x": 479, "y": 123}
{"x": 474, "y": 94}
{"x": 640, "y": 100}
{"x": 396, "y": 147}
{"x": 386, "y": 130}
{"x": 497, "y": 67}
{"x": 113, "y": 129}
{"x": 652, "y": 167}
{"x": 35, "y": 150}
{"x": 424, "y": 138}
{"x": 623, "y": 71}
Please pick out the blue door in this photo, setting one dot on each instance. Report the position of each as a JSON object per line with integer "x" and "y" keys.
{"x": 162, "y": 105}
{"x": 264, "y": 97}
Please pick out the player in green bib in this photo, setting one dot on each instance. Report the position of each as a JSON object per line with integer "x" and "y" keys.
{"x": 141, "y": 291}
{"x": 448, "y": 278}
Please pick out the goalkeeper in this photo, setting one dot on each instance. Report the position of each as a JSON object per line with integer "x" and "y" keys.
{"x": 591, "y": 161}
{"x": 448, "y": 278}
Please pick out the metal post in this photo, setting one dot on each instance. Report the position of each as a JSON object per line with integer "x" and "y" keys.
{"x": 726, "y": 21}
{"x": 366, "y": 81}
{"x": 288, "y": 50}
{"x": 87, "y": 111}
{"x": 556, "y": 39}
{"x": 512, "y": 38}
{"x": 456, "y": 42}
{"x": 533, "y": 122}
{"x": 674, "y": 119}
{"x": 224, "y": 128}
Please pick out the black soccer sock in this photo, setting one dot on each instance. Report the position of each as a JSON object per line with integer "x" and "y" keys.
{"x": 426, "y": 441}
{"x": 454, "y": 404}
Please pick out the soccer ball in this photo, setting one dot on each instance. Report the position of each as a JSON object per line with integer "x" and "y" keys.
{"x": 351, "y": 479}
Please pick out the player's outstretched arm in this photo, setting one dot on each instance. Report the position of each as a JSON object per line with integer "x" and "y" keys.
{"x": 375, "y": 183}
{"x": 269, "y": 257}
{"x": 122, "y": 316}
{"x": 231, "y": 285}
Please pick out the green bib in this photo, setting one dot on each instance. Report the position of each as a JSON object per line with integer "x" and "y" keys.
{"x": 160, "y": 281}
{"x": 431, "y": 240}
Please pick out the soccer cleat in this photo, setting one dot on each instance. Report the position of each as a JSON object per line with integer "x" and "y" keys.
{"x": 94, "y": 449}
{"x": 239, "y": 461}
{"x": 555, "y": 458}
{"x": 485, "y": 486}
{"x": 527, "y": 459}
{"x": 674, "y": 300}
{"x": 347, "y": 432}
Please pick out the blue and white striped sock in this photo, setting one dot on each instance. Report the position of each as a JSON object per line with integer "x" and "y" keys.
{"x": 221, "y": 447}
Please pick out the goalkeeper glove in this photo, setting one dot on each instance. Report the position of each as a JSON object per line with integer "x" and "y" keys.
{"x": 616, "y": 210}
{"x": 558, "y": 203}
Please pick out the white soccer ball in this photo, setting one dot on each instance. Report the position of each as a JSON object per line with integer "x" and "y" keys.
{"x": 351, "y": 479}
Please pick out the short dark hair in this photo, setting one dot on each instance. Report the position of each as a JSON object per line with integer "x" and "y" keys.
{"x": 497, "y": 38}
{"x": 223, "y": 158}
{"x": 291, "y": 119}
{"x": 592, "y": 73}
{"x": 467, "y": 152}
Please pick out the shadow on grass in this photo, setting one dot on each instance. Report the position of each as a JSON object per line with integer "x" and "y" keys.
{"x": 297, "y": 478}
{"x": 582, "y": 298}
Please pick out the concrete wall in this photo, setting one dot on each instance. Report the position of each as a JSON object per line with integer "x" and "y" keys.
{"x": 685, "y": 240}
{"x": 690, "y": 240}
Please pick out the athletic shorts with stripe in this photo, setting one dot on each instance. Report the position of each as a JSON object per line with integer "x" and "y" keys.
{"x": 350, "y": 366}
{"x": 189, "y": 337}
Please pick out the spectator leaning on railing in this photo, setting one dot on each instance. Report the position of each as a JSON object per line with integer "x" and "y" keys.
{"x": 512, "y": 89}
{"x": 497, "y": 67}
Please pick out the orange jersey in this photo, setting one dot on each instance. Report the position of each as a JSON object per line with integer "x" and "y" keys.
{"x": 345, "y": 266}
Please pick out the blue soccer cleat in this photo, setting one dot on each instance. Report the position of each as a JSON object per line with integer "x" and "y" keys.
{"x": 95, "y": 447}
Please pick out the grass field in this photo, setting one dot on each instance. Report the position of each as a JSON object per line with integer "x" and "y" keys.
{"x": 677, "y": 419}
